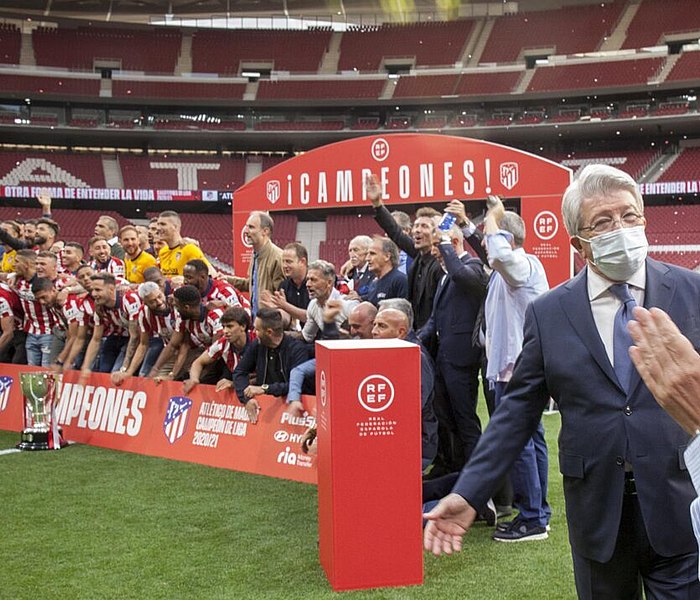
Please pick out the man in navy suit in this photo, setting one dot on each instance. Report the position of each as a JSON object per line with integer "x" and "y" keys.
{"x": 456, "y": 305}
{"x": 626, "y": 487}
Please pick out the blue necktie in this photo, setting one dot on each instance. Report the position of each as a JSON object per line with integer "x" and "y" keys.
{"x": 622, "y": 340}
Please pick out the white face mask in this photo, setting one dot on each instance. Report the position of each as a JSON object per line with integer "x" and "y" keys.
{"x": 620, "y": 253}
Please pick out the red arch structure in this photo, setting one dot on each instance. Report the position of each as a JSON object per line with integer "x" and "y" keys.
{"x": 416, "y": 168}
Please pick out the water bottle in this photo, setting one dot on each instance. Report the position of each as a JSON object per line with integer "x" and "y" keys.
{"x": 448, "y": 220}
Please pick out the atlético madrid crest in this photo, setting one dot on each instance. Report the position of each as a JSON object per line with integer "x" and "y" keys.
{"x": 176, "y": 416}
{"x": 5, "y": 387}
{"x": 509, "y": 175}
{"x": 273, "y": 191}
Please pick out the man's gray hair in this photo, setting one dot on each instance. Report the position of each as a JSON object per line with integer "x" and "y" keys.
{"x": 388, "y": 247}
{"x": 362, "y": 240}
{"x": 111, "y": 223}
{"x": 266, "y": 221}
{"x": 595, "y": 180}
{"x": 513, "y": 223}
{"x": 326, "y": 269}
{"x": 402, "y": 219}
{"x": 148, "y": 288}
{"x": 400, "y": 304}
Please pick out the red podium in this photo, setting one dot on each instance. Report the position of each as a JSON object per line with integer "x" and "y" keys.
{"x": 369, "y": 463}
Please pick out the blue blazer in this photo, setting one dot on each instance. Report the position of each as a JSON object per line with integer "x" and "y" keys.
{"x": 455, "y": 308}
{"x": 602, "y": 426}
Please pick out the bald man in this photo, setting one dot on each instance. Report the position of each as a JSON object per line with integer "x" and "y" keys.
{"x": 361, "y": 321}
{"x": 392, "y": 323}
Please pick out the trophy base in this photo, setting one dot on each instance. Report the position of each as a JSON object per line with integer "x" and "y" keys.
{"x": 38, "y": 440}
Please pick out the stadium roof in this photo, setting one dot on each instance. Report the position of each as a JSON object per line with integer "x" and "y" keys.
{"x": 374, "y": 10}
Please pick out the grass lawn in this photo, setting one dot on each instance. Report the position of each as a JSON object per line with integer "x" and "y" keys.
{"x": 99, "y": 524}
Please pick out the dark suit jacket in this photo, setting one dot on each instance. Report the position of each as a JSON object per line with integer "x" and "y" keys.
{"x": 420, "y": 292}
{"x": 563, "y": 356}
{"x": 455, "y": 307}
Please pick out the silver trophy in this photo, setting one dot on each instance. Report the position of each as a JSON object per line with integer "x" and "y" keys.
{"x": 39, "y": 390}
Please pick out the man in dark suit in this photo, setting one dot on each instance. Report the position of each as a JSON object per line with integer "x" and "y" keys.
{"x": 626, "y": 487}
{"x": 455, "y": 307}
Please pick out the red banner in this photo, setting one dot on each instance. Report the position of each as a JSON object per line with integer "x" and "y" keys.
{"x": 203, "y": 426}
{"x": 416, "y": 168}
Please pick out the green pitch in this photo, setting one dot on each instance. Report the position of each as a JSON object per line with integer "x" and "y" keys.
{"x": 87, "y": 523}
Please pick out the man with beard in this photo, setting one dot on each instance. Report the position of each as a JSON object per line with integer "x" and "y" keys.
{"x": 136, "y": 260}
{"x": 12, "y": 338}
{"x": 72, "y": 257}
{"x": 103, "y": 261}
{"x": 216, "y": 293}
{"x": 195, "y": 329}
{"x": 156, "y": 318}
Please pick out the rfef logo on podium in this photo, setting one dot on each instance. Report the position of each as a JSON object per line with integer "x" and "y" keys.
{"x": 375, "y": 393}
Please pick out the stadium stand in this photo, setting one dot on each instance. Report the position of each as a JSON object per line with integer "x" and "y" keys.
{"x": 51, "y": 169}
{"x": 171, "y": 173}
{"x": 270, "y": 161}
{"x": 224, "y": 52}
{"x": 683, "y": 168}
{"x": 674, "y": 220}
{"x": 10, "y": 43}
{"x": 149, "y": 50}
{"x": 482, "y": 84}
{"x": 425, "y": 86}
{"x": 429, "y": 44}
{"x": 687, "y": 67}
{"x": 591, "y": 76}
{"x": 122, "y": 88}
{"x": 363, "y": 123}
{"x": 50, "y": 86}
{"x": 330, "y": 125}
{"x": 656, "y": 18}
{"x": 567, "y": 31}
{"x": 327, "y": 89}
{"x": 635, "y": 162}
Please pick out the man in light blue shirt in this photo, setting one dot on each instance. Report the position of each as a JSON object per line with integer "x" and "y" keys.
{"x": 518, "y": 279}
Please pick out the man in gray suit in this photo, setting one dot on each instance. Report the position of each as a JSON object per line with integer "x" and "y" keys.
{"x": 626, "y": 487}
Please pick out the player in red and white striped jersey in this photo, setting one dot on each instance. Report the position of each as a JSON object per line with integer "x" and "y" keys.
{"x": 65, "y": 312}
{"x": 195, "y": 324}
{"x": 116, "y": 313}
{"x": 156, "y": 319}
{"x": 103, "y": 261}
{"x": 13, "y": 338}
{"x": 85, "y": 318}
{"x": 216, "y": 293}
{"x": 229, "y": 348}
{"x": 38, "y": 320}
